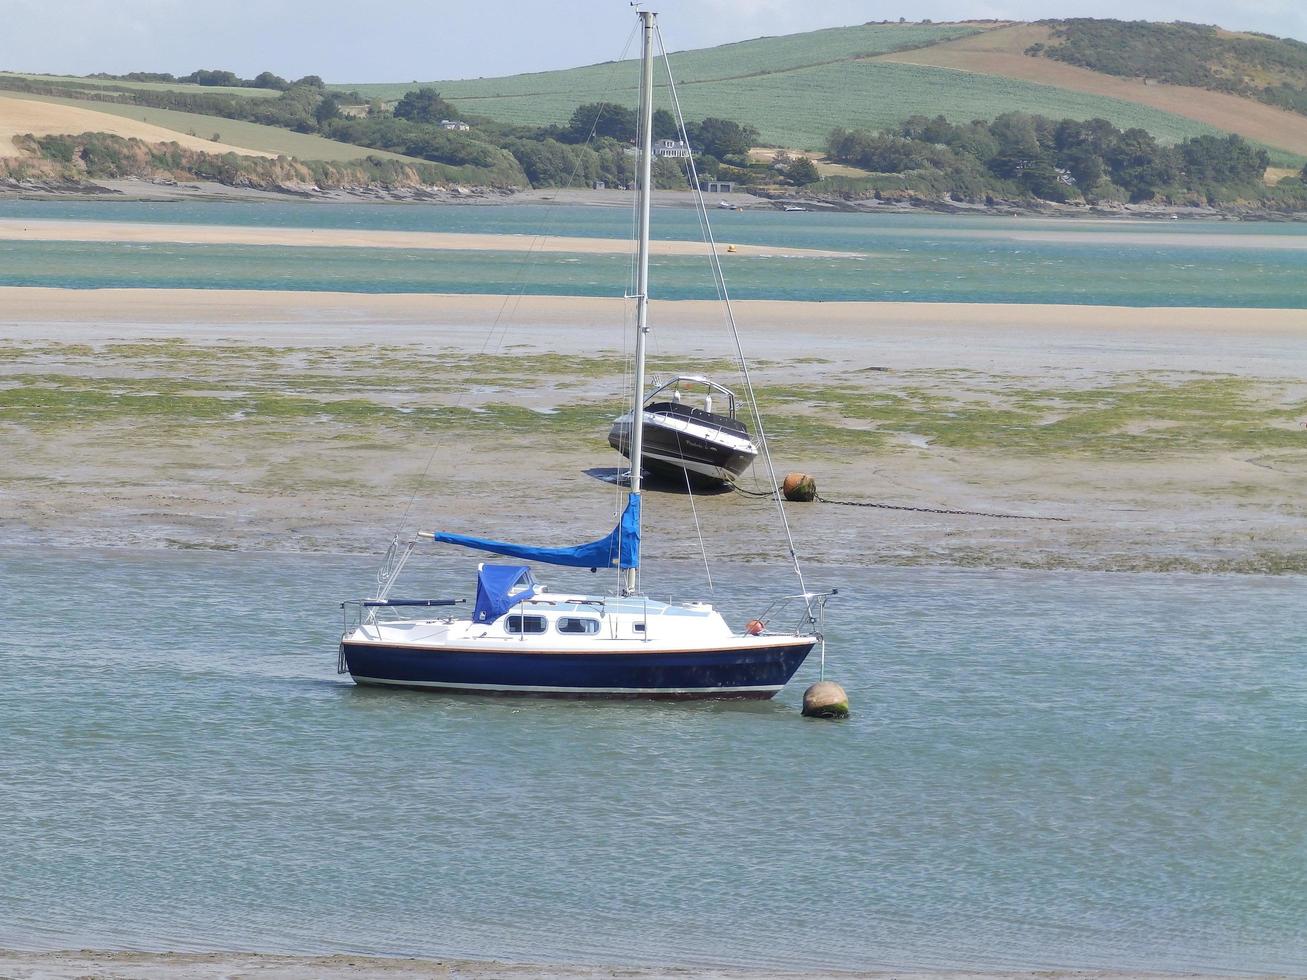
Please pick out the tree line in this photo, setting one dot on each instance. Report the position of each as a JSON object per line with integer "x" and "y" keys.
{"x": 1259, "y": 66}
{"x": 1056, "y": 160}
{"x": 215, "y": 77}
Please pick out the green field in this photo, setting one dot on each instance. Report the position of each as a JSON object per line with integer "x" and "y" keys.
{"x": 253, "y": 136}
{"x": 796, "y": 89}
{"x": 742, "y": 59}
{"x": 112, "y": 85}
{"x": 798, "y": 108}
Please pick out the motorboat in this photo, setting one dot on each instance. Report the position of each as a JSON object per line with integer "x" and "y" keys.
{"x": 691, "y": 432}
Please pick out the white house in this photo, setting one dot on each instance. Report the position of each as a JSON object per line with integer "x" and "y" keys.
{"x": 457, "y": 124}
{"x": 676, "y": 149}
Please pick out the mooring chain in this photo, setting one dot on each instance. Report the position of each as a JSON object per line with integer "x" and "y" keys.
{"x": 919, "y": 510}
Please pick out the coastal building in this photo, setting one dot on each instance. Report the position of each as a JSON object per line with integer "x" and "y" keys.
{"x": 717, "y": 186}
{"x": 674, "y": 149}
{"x": 455, "y": 124}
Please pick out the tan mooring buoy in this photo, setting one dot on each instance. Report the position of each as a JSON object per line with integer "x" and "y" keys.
{"x": 730, "y": 248}
{"x": 825, "y": 699}
{"x": 799, "y": 487}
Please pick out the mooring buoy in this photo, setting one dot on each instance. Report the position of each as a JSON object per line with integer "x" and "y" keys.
{"x": 799, "y": 487}
{"x": 825, "y": 699}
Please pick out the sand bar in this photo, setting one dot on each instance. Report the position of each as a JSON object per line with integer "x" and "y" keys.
{"x": 991, "y": 336}
{"x": 54, "y": 230}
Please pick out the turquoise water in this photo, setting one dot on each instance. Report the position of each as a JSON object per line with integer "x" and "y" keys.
{"x": 907, "y": 257}
{"x": 1042, "y": 770}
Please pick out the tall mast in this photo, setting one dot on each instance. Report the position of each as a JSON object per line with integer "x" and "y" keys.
{"x": 642, "y": 261}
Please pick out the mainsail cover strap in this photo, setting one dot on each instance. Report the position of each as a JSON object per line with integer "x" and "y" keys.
{"x": 618, "y": 549}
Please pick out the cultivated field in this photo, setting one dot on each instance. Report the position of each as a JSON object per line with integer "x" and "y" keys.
{"x": 1001, "y": 52}
{"x": 42, "y": 114}
{"x": 21, "y": 116}
{"x": 112, "y": 85}
{"x": 799, "y": 107}
{"x": 738, "y": 60}
{"x": 795, "y": 89}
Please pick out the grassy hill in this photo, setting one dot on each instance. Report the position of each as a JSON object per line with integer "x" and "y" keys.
{"x": 743, "y": 59}
{"x": 108, "y": 85}
{"x": 1269, "y": 69}
{"x": 796, "y": 88}
{"x": 1002, "y": 52}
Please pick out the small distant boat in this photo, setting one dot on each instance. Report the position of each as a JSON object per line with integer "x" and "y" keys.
{"x": 690, "y": 430}
{"x": 793, "y": 207}
{"x": 728, "y": 206}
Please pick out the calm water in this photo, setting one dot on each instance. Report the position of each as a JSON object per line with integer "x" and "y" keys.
{"x": 1042, "y": 770}
{"x": 908, "y": 257}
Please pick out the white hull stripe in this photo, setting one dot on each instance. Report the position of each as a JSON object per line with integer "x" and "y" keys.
{"x": 542, "y": 689}
{"x": 705, "y": 469}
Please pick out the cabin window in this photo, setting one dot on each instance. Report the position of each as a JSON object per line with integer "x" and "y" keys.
{"x": 638, "y": 627}
{"x": 525, "y": 624}
{"x": 577, "y": 624}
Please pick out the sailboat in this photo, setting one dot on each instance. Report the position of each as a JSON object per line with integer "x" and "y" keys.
{"x": 522, "y": 638}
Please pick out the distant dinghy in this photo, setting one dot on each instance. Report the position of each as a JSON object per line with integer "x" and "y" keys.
{"x": 690, "y": 431}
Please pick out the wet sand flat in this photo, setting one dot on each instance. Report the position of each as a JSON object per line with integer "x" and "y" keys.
{"x": 1118, "y": 439}
{"x": 117, "y": 965}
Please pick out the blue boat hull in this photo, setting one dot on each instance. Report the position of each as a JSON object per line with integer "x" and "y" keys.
{"x": 755, "y": 671}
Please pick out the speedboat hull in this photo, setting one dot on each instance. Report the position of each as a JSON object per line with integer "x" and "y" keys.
{"x": 674, "y": 451}
{"x": 757, "y": 669}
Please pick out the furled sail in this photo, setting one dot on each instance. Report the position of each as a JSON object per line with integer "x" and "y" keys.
{"x": 619, "y": 549}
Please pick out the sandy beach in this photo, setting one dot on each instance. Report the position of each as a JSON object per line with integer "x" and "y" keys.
{"x": 1117, "y": 439}
{"x": 112, "y": 965}
{"x": 38, "y": 230}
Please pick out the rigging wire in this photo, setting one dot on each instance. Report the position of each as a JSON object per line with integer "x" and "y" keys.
{"x": 715, "y": 262}
{"x": 504, "y": 315}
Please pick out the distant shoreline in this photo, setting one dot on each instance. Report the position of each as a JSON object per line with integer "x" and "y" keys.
{"x": 164, "y": 191}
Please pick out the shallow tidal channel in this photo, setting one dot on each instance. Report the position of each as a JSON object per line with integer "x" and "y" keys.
{"x": 1042, "y": 770}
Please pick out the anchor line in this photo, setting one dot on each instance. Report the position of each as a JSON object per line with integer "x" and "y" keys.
{"x": 920, "y": 510}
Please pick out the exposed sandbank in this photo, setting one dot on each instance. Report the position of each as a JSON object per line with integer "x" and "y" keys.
{"x": 1160, "y": 438}
{"x": 52, "y": 230}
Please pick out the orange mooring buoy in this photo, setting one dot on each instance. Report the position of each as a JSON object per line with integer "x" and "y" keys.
{"x": 799, "y": 487}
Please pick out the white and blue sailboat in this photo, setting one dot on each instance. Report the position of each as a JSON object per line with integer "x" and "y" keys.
{"x": 524, "y": 639}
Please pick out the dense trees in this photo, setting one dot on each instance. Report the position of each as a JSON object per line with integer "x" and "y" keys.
{"x": 802, "y": 172}
{"x": 1055, "y": 161}
{"x": 424, "y": 106}
{"x": 597, "y": 120}
{"x": 721, "y": 138}
{"x": 1266, "y": 68}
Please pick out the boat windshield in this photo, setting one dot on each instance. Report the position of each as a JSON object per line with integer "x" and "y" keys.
{"x": 700, "y": 393}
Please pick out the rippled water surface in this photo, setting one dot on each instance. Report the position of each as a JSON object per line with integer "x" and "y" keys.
{"x": 1042, "y": 770}
{"x": 901, "y": 257}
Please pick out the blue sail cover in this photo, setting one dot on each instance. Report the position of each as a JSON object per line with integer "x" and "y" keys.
{"x": 620, "y": 549}
{"x": 495, "y": 596}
